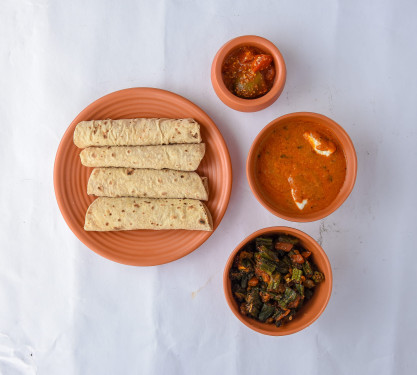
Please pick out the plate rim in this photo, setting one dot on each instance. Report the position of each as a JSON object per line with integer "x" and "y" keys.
{"x": 59, "y": 195}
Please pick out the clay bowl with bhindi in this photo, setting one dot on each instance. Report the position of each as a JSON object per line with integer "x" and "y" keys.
{"x": 277, "y": 281}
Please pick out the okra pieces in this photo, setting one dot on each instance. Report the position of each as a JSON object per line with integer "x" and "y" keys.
{"x": 271, "y": 278}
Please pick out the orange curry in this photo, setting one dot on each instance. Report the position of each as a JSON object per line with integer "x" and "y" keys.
{"x": 301, "y": 167}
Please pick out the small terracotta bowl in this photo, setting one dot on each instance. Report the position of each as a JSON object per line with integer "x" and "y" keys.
{"x": 327, "y": 124}
{"x": 312, "y": 308}
{"x": 233, "y": 101}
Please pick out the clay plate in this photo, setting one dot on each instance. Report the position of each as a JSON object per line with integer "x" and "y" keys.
{"x": 140, "y": 247}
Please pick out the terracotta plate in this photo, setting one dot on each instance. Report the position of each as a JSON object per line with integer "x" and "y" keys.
{"x": 141, "y": 247}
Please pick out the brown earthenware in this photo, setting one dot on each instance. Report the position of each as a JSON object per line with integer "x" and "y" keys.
{"x": 311, "y": 310}
{"x": 348, "y": 149}
{"x": 233, "y": 101}
{"x": 141, "y": 247}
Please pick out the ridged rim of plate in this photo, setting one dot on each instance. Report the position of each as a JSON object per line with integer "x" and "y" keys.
{"x": 141, "y": 247}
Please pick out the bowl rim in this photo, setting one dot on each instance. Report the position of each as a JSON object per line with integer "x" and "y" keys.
{"x": 233, "y": 101}
{"x": 351, "y": 166}
{"x": 284, "y": 330}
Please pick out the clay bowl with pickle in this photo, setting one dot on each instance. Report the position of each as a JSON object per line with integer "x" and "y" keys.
{"x": 277, "y": 281}
{"x": 248, "y": 73}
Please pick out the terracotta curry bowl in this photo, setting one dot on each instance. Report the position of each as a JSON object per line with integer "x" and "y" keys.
{"x": 329, "y": 202}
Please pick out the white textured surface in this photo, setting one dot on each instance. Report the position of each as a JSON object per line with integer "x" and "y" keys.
{"x": 65, "y": 310}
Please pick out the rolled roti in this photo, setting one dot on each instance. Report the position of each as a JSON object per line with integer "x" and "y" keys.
{"x": 178, "y": 157}
{"x": 136, "y": 132}
{"x": 114, "y": 214}
{"x": 146, "y": 183}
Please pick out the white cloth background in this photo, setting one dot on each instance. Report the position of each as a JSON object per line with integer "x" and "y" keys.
{"x": 66, "y": 310}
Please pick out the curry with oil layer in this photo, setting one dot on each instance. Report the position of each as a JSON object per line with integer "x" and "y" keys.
{"x": 301, "y": 167}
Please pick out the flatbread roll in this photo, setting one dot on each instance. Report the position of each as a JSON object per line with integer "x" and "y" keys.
{"x": 136, "y": 132}
{"x": 146, "y": 183}
{"x": 185, "y": 157}
{"x": 115, "y": 214}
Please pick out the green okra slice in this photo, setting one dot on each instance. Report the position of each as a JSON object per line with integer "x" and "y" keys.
{"x": 308, "y": 271}
{"x": 268, "y": 254}
{"x": 266, "y": 265}
{"x": 288, "y": 297}
{"x": 244, "y": 280}
{"x": 318, "y": 277}
{"x": 296, "y": 275}
{"x": 288, "y": 239}
{"x": 300, "y": 289}
{"x": 274, "y": 281}
{"x": 266, "y": 311}
{"x": 253, "y": 302}
{"x": 264, "y": 241}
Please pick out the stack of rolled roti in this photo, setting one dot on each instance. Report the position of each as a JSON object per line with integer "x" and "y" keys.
{"x": 144, "y": 174}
